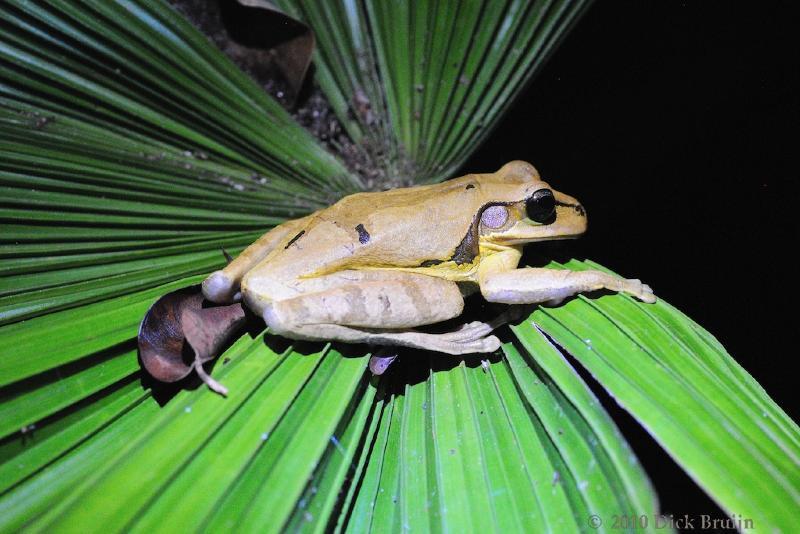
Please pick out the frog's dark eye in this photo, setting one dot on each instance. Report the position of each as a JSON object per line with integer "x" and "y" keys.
{"x": 541, "y": 206}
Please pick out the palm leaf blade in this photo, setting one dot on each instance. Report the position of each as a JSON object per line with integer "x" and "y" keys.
{"x": 131, "y": 151}
{"x": 702, "y": 418}
{"x": 428, "y": 95}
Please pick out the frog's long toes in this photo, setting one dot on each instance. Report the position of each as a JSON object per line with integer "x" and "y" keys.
{"x": 490, "y": 343}
{"x": 641, "y": 291}
{"x": 480, "y": 345}
{"x": 468, "y": 332}
{"x": 471, "y": 327}
{"x": 647, "y": 295}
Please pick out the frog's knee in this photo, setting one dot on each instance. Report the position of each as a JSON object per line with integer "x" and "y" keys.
{"x": 434, "y": 299}
{"x": 278, "y": 320}
{"x": 287, "y": 319}
{"x": 221, "y": 289}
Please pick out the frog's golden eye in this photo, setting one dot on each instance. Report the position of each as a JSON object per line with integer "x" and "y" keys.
{"x": 494, "y": 216}
{"x": 541, "y": 206}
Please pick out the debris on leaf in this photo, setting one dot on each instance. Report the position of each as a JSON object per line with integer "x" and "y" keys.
{"x": 181, "y": 331}
{"x": 379, "y": 363}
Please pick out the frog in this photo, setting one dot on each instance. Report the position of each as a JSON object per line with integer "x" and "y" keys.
{"x": 374, "y": 267}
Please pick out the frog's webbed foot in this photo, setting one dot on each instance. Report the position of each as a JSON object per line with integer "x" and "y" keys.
{"x": 464, "y": 341}
{"x": 469, "y": 338}
{"x": 468, "y": 332}
{"x": 475, "y": 335}
{"x": 510, "y": 314}
{"x": 639, "y": 290}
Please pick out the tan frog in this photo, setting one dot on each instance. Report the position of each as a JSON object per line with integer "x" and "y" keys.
{"x": 373, "y": 266}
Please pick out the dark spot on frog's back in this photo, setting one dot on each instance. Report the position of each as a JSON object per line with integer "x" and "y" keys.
{"x": 430, "y": 263}
{"x": 363, "y": 235}
{"x": 294, "y": 239}
{"x": 470, "y": 186}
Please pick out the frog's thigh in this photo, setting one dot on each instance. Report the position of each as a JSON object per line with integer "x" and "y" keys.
{"x": 531, "y": 286}
{"x": 222, "y": 286}
{"x": 371, "y": 300}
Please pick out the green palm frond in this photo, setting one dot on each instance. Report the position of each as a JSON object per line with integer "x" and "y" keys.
{"x": 131, "y": 151}
{"x": 420, "y": 101}
{"x": 690, "y": 395}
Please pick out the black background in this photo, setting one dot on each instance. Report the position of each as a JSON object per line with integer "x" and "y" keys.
{"x": 675, "y": 124}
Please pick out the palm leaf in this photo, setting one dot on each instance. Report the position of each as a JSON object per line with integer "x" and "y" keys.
{"x": 131, "y": 151}
{"x": 703, "y": 408}
{"x": 421, "y": 101}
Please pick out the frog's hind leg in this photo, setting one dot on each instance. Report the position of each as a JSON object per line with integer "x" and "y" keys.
{"x": 381, "y": 310}
{"x": 222, "y": 286}
{"x": 479, "y": 329}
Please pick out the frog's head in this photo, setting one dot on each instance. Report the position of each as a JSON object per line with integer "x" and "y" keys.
{"x": 528, "y": 209}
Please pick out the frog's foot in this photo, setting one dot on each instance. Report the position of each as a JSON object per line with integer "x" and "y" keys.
{"x": 466, "y": 335}
{"x": 468, "y": 332}
{"x": 479, "y": 329}
{"x": 464, "y": 341}
{"x": 470, "y": 338}
{"x": 639, "y": 290}
{"x": 474, "y": 335}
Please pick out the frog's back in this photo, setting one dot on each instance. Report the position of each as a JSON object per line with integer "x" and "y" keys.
{"x": 410, "y": 227}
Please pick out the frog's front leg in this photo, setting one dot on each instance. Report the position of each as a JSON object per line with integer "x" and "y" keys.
{"x": 377, "y": 308}
{"x": 531, "y": 285}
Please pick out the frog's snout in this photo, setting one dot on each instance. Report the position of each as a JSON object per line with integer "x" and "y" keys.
{"x": 570, "y": 215}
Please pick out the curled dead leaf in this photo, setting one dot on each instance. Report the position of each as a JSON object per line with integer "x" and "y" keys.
{"x": 181, "y": 331}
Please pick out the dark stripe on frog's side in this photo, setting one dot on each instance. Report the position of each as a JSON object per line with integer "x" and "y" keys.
{"x": 430, "y": 263}
{"x": 295, "y": 238}
{"x": 468, "y": 250}
{"x": 363, "y": 235}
